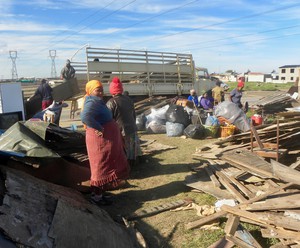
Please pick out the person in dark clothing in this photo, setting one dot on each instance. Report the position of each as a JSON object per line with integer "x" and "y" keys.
{"x": 45, "y": 92}
{"x": 68, "y": 71}
{"x": 123, "y": 112}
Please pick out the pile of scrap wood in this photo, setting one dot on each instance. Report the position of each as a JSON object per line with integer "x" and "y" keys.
{"x": 145, "y": 105}
{"x": 266, "y": 195}
{"x": 279, "y": 137}
{"x": 274, "y": 103}
{"x": 266, "y": 192}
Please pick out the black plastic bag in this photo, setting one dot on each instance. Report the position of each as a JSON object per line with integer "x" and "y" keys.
{"x": 177, "y": 114}
{"x": 194, "y": 131}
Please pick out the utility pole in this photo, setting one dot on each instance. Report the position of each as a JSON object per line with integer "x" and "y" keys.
{"x": 52, "y": 54}
{"x": 13, "y": 56}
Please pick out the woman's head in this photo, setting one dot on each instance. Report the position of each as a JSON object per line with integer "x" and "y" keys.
{"x": 115, "y": 86}
{"x": 94, "y": 88}
{"x": 192, "y": 92}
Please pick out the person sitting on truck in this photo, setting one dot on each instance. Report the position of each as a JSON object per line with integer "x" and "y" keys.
{"x": 67, "y": 71}
{"x": 193, "y": 97}
{"x": 45, "y": 92}
{"x": 122, "y": 108}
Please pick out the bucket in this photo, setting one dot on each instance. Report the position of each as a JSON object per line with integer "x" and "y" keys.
{"x": 227, "y": 130}
{"x": 257, "y": 120}
{"x": 211, "y": 131}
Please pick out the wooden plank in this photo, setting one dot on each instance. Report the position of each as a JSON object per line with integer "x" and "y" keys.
{"x": 295, "y": 165}
{"x": 278, "y": 203}
{"x": 205, "y": 220}
{"x": 212, "y": 176}
{"x": 202, "y": 182}
{"x": 245, "y": 190}
{"x": 227, "y": 184}
{"x": 286, "y": 222}
{"x": 285, "y": 173}
{"x": 293, "y": 214}
{"x": 248, "y": 161}
{"x": 270, "y": 153}
{"x": 279, "y": 233}
{"x": 245, "y": 214}
{"x": 231, "y": 225}
{"x": 279, "y": 245}
{"x": 243, "y": 234}
{"x": 265, "y": 219}
{"x": 210, "y": 218}
{"x": 222, "y": 243}
{"x": 240, "y": 243}
{"x": 260, "y": 144}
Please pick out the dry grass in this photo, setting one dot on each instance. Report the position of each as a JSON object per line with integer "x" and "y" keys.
{"x": 160, "y": 179}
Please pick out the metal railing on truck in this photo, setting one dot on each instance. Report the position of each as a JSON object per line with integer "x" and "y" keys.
{"x": 143, "y": 72}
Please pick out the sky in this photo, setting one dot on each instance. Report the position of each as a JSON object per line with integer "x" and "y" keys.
{"x": 239, "y": 35}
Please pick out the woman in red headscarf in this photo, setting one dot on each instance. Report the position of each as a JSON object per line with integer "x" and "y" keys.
{"x": 108, "y": 163}
{"x": 123, "y": 112}
{"x": 237, "y": 93}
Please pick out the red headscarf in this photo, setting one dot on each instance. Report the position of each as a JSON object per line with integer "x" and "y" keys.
{"x": 240, "y": 84}
{"x": 115, "y": 86}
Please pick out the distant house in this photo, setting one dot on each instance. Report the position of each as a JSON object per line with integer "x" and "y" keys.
{"x": 255, "y": 77}
{"x": 289, "y": 73}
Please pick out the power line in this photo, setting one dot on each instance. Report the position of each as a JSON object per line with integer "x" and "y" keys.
{"x": 93, "y": 23}
{"x": 84, "y": 19}
{"x": 251, "y": 41}
{"x": 236, "y": 36}
{"x": 227, "y": 21}
{"x": 152, "y": 17}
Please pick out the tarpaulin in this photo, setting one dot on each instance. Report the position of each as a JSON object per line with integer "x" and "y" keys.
{"x": 41, "y": 139}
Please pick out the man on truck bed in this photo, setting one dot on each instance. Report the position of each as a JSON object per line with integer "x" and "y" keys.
{"x": 68, "y": 71}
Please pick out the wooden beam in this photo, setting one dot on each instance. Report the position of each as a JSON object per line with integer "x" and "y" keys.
{"x": 280, "y": 234}
{"x": 285, "y": 173}
{"x": 210, "y": 218}
{"x": 212, "y": 176}
{"x": 231, "y": 225}
{"x": 240, "y": 243}
{"x": 260, "y": 144}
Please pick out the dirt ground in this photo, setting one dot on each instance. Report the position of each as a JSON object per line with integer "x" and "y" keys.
{"x": 160, "y": 179}
{"x": 157, "y": 180}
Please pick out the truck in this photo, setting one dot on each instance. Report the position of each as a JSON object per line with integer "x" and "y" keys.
{"x": 143, "y": 73}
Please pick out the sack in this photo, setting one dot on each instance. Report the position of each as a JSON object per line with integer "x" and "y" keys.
{"x": 157, "y": 126}
{"x": 141, "y": 122}
{"x": 174, "y": 129}
{"x": 195, "y": 131}
{"x": 177, "y": 114}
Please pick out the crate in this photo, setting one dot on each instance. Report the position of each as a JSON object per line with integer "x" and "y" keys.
{"x": 227, "y": 131}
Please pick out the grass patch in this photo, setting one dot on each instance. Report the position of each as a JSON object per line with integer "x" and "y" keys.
{"x": 256, "y": 86}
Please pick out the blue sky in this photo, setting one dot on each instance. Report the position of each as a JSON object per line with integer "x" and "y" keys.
{"x": 222, "y": 35}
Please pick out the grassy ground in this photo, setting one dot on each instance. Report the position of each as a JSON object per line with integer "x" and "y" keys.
{"x": 255, "y": 86}
{"x": 159, "y": 179}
